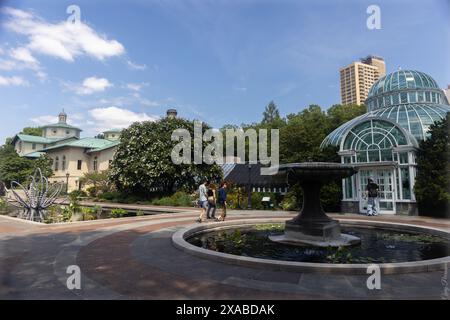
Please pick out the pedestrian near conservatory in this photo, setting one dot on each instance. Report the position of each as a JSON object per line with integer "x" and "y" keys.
{"x": 222, "y": 200}
{"x": 372, "y": 197}
{"x": 211, "y": 212}
{"x": 203, "y": 199}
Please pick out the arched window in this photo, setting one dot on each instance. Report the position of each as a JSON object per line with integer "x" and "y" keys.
{"x": 95, "y": 163}
{"x": 373, "y": 140}
{"x": 63, "y": 165}
{"x": 56, "y": 163}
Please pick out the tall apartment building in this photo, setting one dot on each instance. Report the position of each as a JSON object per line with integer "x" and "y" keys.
{"x": 358, "y": 77}
{"x": 447, "y": 93}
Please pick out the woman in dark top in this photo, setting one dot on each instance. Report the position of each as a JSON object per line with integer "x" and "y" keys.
{"x": 211, "y": 203}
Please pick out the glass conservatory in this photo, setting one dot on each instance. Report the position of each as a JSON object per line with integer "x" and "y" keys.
{"x": 382, "y": 142}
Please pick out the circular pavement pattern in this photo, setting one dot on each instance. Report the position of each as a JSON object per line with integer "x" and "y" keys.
{"x": 134, "y": 258}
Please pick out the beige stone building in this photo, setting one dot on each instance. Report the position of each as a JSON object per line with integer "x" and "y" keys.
{"x": 72, "y": 156}
{"x": 358, "y": 77}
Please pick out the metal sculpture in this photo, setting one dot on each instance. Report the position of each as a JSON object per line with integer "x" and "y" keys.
{"x": 37, "y": 197}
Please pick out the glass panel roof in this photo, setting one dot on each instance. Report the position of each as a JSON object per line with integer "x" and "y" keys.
{"x": 414, "y": 118}
{"x": 374, "y": 134}
{"x": 415, "y": 98}
{"x": 403, "y": 79}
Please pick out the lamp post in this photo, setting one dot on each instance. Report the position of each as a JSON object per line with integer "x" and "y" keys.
{"x": 239, "y": 198}
{"x": 67, "y": 182}
{"x": 249, "y": 187}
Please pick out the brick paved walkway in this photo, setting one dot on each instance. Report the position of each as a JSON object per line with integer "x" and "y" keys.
{"x": 133, "y": 258}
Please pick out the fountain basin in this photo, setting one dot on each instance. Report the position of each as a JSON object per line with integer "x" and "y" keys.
{"x": 180, "y": 240}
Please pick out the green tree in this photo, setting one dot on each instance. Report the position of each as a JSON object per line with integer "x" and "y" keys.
{"x": 338, "y": 114}
{"x": 432, "y": 186}
{"x": 271, "y": 114}
{"x": 98, "y": 182}
{"x": 301, "y": 137}
{"x": 143, "y": 164}
{"x": 16, "y": 168}
{"x": 45, "y": 163}
{"x": 32, "y": 131}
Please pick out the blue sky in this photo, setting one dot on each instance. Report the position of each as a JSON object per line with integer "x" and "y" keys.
{"x": 218, "y": 61}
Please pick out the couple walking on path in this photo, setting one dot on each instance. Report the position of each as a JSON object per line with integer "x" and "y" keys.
{"x": 209, "y": 199}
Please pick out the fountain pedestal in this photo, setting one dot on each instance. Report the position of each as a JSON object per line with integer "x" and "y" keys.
{"x": 312, "y": 226}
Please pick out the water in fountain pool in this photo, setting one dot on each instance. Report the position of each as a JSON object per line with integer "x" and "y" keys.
{"x": 377, "y": 246}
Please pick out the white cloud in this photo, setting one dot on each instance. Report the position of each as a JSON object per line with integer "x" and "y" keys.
{"x": 136, "y": 66}
{"x": 90, "y": 85}
{"x": 20, "y": 59}
{"x": 43, "y": 120}
{"x": 242, "y": 89}
{"x": 132, "y": 99}
{"x": 96, "y": 84}
{"x": 63, "y": 40}
{"x": 23, "y": 54}
{"x": 8, "y": 65}
{"x": 13, "y": 81}
{"x": 135, "y": 86}
{"x": 98, "y": 119}
{"x": 115, "y": 117}
{"x": 74, "y": 119}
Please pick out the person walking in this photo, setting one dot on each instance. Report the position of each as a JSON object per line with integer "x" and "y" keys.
{"x": 203, "y": 199}
{"x": 222, "y": 199}
{"x": 211, "y": 203}
{"x": 372, "y": 197}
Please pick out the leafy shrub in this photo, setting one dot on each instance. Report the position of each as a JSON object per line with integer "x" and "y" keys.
{"x": 117, "y": 213}
{"x": 432, "y": 187}
{"x": 92, "y": 191}
{"x": 66, "y": 213}
{"x": 129, "y": 199}
{"x": 109, "y": 195}
{"x": 89, "y": 213}
{"x": 178, "y": 199}
{"x": 3, "y": 205}
{"x": 238, "y": 198}
{"x": 55, "y": 214}
{"x": 290, "y": 201}
{"x": 139, "y": 213}
{"x": 330, "y": 197}
{"x": 78, "y": 194}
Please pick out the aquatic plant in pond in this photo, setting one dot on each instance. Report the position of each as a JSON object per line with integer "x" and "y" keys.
{"x": 117, "y": 213}
{"x": 270, "y": 227}
{"x": 3, "y": 206}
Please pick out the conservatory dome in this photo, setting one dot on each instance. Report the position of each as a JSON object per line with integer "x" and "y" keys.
{"x": 411, "y": 99}
{"x": 403, "y": 87}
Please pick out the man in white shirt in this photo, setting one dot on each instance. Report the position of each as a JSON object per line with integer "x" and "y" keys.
{"x": 203, "y": 199}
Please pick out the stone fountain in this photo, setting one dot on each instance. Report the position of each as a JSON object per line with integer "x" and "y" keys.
{"x": 312, "y": 226}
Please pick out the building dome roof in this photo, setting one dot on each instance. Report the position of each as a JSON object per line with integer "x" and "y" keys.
{"x": 402, "y": 79}
{"x": 414, "y": 118}
{"x": 411, "y": 99}
{"x": 404, "y": 87}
